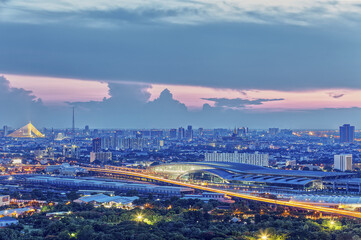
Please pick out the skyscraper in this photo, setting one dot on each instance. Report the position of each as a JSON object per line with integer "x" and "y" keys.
{"x": 273, "y": 131}
{"x": 200, "y": 132}
{"x": 343, "y": 162}
{"x": 5, "y": 130}
{"x": 173, "y": 133}
{"x": 97, "y": 145}
{"x": 189, "y": 133}
{"x": 181, "y": 133}
{"x": 347, "y": 133}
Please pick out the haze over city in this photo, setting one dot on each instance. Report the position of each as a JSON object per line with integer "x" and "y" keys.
{"x": 159, "y": 64}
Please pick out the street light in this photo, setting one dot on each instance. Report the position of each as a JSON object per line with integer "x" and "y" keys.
{"x": 264, "y": 237}
{"x": 139, "y": 217}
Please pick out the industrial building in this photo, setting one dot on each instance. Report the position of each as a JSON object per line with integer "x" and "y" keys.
{"x": 345, "y": 202}
{"x": 82, "y": 183}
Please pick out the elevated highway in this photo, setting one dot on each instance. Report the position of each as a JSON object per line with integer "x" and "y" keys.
{"x": 143, "y": 176}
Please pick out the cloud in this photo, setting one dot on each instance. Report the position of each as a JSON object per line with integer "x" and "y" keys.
{"x": 298, "y": 12}
{"x": 238, "y": 102}
{"x": 129, "y": 107}
{"x": 336, "y": 95}
{"x": 214, "y": 55}
{"x": 18, "y": 104}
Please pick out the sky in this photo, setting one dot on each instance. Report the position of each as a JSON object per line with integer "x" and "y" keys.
{"x": 165, "y": 64}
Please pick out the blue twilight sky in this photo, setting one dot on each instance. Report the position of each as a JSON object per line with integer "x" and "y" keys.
{"x": 288, "y": 64}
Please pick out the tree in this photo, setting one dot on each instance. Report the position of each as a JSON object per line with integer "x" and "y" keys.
{"x": 72, "y": 195}
{"x": 87, "y": 233}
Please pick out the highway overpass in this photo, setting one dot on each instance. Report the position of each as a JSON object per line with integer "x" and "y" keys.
{"x": 305, "y": 206}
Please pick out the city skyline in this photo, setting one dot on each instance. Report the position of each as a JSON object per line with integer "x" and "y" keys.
{"x": 180, "y": 119}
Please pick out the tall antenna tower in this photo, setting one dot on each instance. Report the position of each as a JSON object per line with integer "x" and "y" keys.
{"x": 73, "y": 129}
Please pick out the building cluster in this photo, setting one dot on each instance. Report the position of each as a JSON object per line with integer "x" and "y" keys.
{"x": 275, "y": 160}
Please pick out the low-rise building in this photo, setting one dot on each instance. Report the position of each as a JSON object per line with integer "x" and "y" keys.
{"x": 8, "y": 221}
{"x": 206, "y": 196}
{"x": 108, "y": 201}
{"x": 4, "y": 200}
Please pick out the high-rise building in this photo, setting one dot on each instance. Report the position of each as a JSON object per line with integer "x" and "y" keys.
{"x": 259, "y": 159}
{"x": 100, "y": 156}
{"x": 200, "y": 132}
{"x": 87, "y": 130}
{"x": 347, "y": 133}
{"x": 155, "y": 133}
{"x": 71, "y": 151}
{"x": 173, "y": 133}
{"x": 242, "y": 131}
{"x": 133, "y": 143}
{"x": 189, "y": 133}
{"x": 96, "y": 145}
{"x": 343, "y": 162}
{"x": 5, "y": 131}
{"x": 181, "y": 133}
{"x": 273, "y": 131}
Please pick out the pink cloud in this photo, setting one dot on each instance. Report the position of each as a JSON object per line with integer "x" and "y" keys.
{"x": 293, "y": 100}
{"x": 59, "y": 90}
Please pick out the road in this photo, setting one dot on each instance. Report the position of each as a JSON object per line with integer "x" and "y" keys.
{"x": 233, "y": 194}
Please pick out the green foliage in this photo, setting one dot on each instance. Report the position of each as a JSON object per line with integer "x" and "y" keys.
{"x": 178, "y": 220}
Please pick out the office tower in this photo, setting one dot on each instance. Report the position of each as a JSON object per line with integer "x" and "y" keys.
{"x": 200, "y": 132}
{"x": 155, "y": 133}
{"x": 242, "y": 131}
{"x": 181, "y": 133}
{"x": 347, "y": 133}
{"x": 95, "y": 132}
{"x": 259, "y": 159}
{"x": 87, "y": 129}
{"x": 235, "y": 133}
{"x": 71, "y": 151}
{"x": 273, "y": 131}
{"x": 173, "y": 133}
{"x": 343, "y": 162}
{"x": 189, "y": 133}
{"x": 97, "y": 145}
{"x": 5, "y": 131}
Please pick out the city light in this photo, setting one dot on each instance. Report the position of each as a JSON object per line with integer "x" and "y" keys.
{"x": 234, "y": 194}
{"x": 139, "y": 217}
{"x": 263, "y": 235}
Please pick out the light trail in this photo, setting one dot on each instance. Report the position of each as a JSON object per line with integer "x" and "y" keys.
{"x": 233, "y": 194}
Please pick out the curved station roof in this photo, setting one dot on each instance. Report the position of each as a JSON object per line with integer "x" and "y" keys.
{"x": 240, "y": 172}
